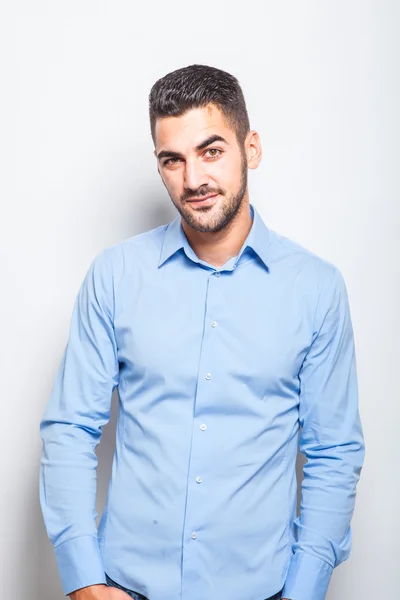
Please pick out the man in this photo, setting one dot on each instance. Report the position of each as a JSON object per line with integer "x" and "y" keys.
{"x": 223, "y": 338}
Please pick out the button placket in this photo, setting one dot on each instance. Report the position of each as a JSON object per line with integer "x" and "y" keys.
{"x": 200, "y": 458}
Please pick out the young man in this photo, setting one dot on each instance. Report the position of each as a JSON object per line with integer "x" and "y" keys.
{"x": 223, "y": 338}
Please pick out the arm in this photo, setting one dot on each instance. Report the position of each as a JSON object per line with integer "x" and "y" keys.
{"x": 332, "y": 440}
{"x": 70, "y": 429}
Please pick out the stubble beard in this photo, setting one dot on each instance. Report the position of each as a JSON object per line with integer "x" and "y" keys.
{"x": 230, "y": 207}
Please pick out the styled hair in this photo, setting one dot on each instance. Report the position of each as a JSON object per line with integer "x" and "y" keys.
{"x": 195, "y": 86}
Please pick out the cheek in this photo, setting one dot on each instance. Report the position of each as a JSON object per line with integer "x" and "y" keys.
{"x": 227, "y": 174}
{"x": 173, "y": 180}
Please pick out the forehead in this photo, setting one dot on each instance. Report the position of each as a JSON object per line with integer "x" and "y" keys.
{"x": 191, "y": 128}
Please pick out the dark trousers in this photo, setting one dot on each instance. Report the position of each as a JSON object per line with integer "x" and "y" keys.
{"x": 137, "y": 596}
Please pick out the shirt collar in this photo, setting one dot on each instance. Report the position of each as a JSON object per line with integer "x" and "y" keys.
{"x": 258, "y": 239}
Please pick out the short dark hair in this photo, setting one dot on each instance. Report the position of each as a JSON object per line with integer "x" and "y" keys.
{"x": 196, "y": 86}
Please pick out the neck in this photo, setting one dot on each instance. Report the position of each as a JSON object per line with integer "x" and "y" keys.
{"x": 216, "y": 248}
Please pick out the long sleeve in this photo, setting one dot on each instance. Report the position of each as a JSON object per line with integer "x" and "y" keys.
{"x": 333, "y": 443}
{"x": 71, "y": 427}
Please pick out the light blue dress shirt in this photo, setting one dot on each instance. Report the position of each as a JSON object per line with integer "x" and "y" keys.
{"x": 216, "y": 370}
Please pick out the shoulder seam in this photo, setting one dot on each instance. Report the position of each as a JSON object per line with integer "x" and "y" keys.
{"x": 306, "y": 252}
{"x": 133, "y": 238}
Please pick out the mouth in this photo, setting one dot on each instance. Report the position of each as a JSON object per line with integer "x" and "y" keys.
{"x": 204, "y": 200}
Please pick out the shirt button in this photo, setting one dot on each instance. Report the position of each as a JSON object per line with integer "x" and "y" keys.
{"x": 217, "y": 274}
{"x": 208, "y": 376}
{"x": 203, "y": 426}
{"x": 199, "y": 479}
{"x": 194, "y": 535}
{"x": 214, "y": 324}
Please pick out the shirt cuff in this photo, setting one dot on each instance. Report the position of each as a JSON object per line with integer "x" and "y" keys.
{"x": 79, "y": 563}
{"x": 307, "y": 578}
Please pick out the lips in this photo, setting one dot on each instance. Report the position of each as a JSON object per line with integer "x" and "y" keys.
{"x": 203, "y": 198}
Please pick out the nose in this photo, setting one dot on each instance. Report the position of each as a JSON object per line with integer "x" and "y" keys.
{"x": 195, "y": 175}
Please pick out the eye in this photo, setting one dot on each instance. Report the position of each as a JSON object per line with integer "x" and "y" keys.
{"x": 214, "y": 150}
{"x": 170, "y": 161}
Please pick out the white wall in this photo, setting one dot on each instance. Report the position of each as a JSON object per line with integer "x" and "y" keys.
{"x": 322, "y": 87}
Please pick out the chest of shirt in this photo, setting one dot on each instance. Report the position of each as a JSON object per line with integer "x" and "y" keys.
{"x": 246, "y": 328}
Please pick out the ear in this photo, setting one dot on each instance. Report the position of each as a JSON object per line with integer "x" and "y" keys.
{"x": 253, "y": 149}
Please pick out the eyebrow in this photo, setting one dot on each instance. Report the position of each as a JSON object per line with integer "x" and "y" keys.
{"x": 210, "y": 140}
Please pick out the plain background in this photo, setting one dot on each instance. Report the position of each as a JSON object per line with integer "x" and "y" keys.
{"x": 321, "y": 81}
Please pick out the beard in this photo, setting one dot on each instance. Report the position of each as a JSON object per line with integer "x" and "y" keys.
{"x": 230, "y": 205}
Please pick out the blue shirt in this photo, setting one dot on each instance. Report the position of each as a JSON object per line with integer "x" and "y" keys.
{"x": 217, "y": 369}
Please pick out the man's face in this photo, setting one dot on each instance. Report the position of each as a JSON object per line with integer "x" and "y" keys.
{"x": 194, "y": 164}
